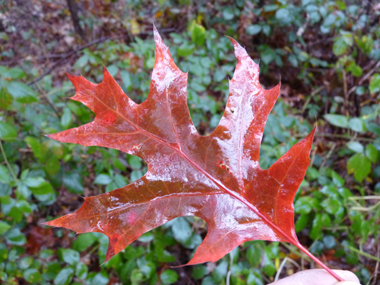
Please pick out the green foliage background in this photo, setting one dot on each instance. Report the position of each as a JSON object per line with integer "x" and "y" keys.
{"x": 325, "y": 52}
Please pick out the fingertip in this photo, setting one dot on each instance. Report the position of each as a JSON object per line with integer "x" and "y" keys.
{"x": 348, "y": 277}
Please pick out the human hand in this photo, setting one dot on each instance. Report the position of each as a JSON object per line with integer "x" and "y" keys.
{"x": 318, "y": 277}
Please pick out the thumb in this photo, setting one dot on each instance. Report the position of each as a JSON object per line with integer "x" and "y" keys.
{"x": 319, "y": 277}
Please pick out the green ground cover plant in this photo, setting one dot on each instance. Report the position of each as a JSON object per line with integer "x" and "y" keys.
{"x": 327, "y": 54}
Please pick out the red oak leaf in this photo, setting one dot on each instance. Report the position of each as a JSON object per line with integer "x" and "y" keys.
{"x": 215, "y": 177}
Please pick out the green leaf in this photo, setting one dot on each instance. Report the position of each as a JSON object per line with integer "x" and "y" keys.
{"x": 64, "y": 277}
{"x": 181, "y": 230}
{"x": 52, "y": 165}
{"x": 371, "y": 152}
{"x": 337, "y": 120}
{"x": 270, "y": 8}
{"x": 253, "y": 29}
{"x": 302, "y": 222}
{"x": 360, "y": 165}
{"x": 198, "y": 34}
{"x": 147, "y": 237}
{"x": 118, "y": 164}
{"x": 4, "y": 227}
{"x": 5, "y": 99}
{"x": 69, "y": 256}
{"x": 66, "y": 118}
{"x": 356, "y": 70}
{"x": 15, "y": 237}
{"x": 228, "y": 13}
{"x": 134, "y": 161}
{"x": 356, "y": 124}
{"x": 38, "y": 151}
{"x": 4, "y": 175}
{"x": 7, "y": 132}
{"x": 15, "y": 73}
{"x": 32, "y": 275}
{"x": 24, "y": 206}
{"x": 46, "y": 253}
{"x": 81, "y": 270}
{"x": 374, "y": 84}
{"x": 22, "y": 92}
{"x": 283, "y": 15}
{"x": 34, "y": 182}
{"x": 147, "y": 267}
{"x": 303, "y": 205}
{"x": 329, "y": 242}
{"x": 3, "y": 252}
{"x": 355, "y": 146}
{"x": 199, "y": 271}
{"x": 169, "y": 276}
{"x": 25, "y": 262}
{"x": 73, "y": 182}
{"x": 341, "y": 5}
{"x": 337, "y": 179}
{"x": 103, "y": 179}
{"x": 220, "y": 272}
{"x": 317, "y": 226}
{"x": 219, "y": 75}
{"x": 84, "y": 241}
{"x": 331, "y": 205}
{"x": 42, "y": 189}
{"x": 100, "y": 278}
{"x": 185, "y": 50}
{"x": 254, "y": 254}
{"x": 360, "y": 90}
{"x": 267, "y": 55}
{"x": 340, "y": 46}
{"x": 4, "y": 36}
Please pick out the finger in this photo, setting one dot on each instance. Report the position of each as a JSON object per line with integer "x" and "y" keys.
{"x": 318, "y": 277}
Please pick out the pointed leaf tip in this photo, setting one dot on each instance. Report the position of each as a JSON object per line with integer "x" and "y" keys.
{"x": 311, "y": 135}
{"x": 240, "y": 52}
{"x": 309, "y": 138}
{"x": 71, "y": 77}
{"x": 157, "y": 38}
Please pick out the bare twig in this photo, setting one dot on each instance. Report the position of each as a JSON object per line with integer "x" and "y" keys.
{"x": 73, "y": 8}
{"x": 7, "y": 162}
{"x": 362, "y": 253}
{"x": 282, "y": 265}
{"x": 316, "y": 91}
{"x": 364, "y": 198}
{"x": 66, "y": 57}
{"x": 336, "y": 136}
{"x": 365, "y": 77}
{"x": 97, "y": 41}
{"x": 345, "y": 93}
{"x": 377, "y": 265}
{"x": 327, "y": 156}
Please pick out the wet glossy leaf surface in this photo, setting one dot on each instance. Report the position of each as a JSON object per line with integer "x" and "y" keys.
{"x": 216, "y": 177}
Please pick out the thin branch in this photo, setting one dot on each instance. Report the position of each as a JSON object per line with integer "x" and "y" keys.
{"x": 362, "y": 253}
{"x": 97, "y": 41}
{"x": 346, "y": 95}
{"x": 377, "y": 265}
{"x": 365, "y": 77}
{"x": 365, "y": 198}
{"x": 336, "y": 136}
{"x": 73, "y": 8}
{"x": 282, "y": 265}
{"x": 7, "y": 162}
{"x": 316, "y": 91}
{"x": 327, "y": 156}
{"x": 55, "y": 65}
